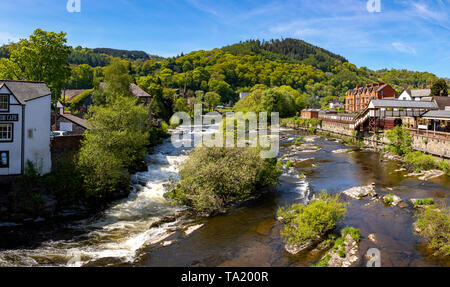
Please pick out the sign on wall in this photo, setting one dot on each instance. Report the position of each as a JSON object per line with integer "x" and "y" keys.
{"x": 66, "y": 127}
{"x": 9, "y": 117}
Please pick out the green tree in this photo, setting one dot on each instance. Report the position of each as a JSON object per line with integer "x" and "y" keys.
{"x": 181, "y": 106}
{"x": 439, "y": 88}
{"x": 116, "y": 83}
{"x": 212, "y": 178}
{"x": 400, "y": 140}
{"x": 303, "y": 223}
{"x": 116, "y": 140}
{"x": 212, "y": 99}
{"x": 42, "y": 57}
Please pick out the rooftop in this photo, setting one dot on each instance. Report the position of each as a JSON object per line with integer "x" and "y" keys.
{"x": 388, "y": 103}
{"x": 437, "y": 114}
{"x": 79, "y": 121}
{"x": 419, "y": 93}
{"x": 26, "y": 90}
{"x": 71, "y": 94}
{"x": 442, "y": 102}
{"x": 135, "y": 90}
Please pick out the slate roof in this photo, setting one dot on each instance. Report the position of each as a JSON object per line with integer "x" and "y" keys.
{"x": 385, "y": 103}
{"x": 419, "y": 93}
{"x": 442, "y": 102}
{"x": 437, "y": 114}
{"x": 79, "y": 121}
{"x": 26, "y": 91}
{"x": 135, "y": 90}
{"x": 71, "y": 94}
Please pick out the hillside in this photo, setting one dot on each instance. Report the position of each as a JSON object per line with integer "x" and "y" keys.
{"x": 291, "y": 50}
{"x": 101, "y": 56}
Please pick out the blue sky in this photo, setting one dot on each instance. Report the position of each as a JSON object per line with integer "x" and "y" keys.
{"x": 406, "y": 34}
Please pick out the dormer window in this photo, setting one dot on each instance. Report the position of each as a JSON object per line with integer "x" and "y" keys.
{"x": 4, "y": 103}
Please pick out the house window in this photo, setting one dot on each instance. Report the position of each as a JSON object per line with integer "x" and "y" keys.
{"x": 4, "y": 159}
{"x": 4, "y": 102}
{"x": 6, "y": 132}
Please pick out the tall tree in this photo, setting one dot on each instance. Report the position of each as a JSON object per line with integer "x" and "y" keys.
{"x": 116, "y": 83}
{"x": 42, "y": 57}
{"x": 439, "y": 88}
{"x": 212, "y": 99}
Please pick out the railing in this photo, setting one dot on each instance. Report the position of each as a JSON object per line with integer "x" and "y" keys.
{"x": 430, "y": 134}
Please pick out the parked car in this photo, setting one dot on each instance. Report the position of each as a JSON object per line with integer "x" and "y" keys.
{"x": 58, "y": 134}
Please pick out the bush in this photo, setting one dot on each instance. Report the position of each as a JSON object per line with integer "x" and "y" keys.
{"x": 78, "y": 101}
{"x": 212, "y": 178}
{"x": 426, "y": 201}
{"x": 400, "y": 140}
{"x": 354, "y": 233}
{"x": 434, "y": 225}
{"x": 444, "y": 166}
{"x": 289, "y": 164}
{"x": 389, "y": 199}
{"x": 308, "y": 222}
{"x": 420, "y": 160}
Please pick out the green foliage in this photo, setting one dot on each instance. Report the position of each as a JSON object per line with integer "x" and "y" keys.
{"x": 212, "y": 178}
{"x": 78, "y": 101}
{"x": 212, "y": 99}
{"x": 82, "y": 77}
{"x": 308, "y": 222}
{"x": 439, "y": 88}
{"x": 288, "y": 49}
{"x": 116, "y": 140}
{"x": 116, "y": 83}
{"x": 444, "y": 165}
{"x": 181, "y": 106}
{"x": 42, "y": 57}
{"x": 421, "y": 161}
{"x": 354, "y": 233}
{"x": 388, "y": 199}
{"x": 289, "y": 164}
{"x": 324, "y": 262}
{"x": 434, "y": 226}
{"x": 66, "y": 182}
{"x": 425, "y": 201}
{"x": 400, "y": 140}
{"x": 339, "y": 246}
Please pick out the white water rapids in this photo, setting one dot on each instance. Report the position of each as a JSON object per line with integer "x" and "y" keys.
{"x": 126, "y": 227}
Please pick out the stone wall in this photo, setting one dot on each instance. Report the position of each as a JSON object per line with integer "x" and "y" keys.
{"x": 63, "y": 148}
{"x": 423, "y": 143}
{"x": 337, "y": 128}
{"x": 439, "y": 147}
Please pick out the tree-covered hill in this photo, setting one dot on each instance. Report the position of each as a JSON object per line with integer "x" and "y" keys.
{"x": 291, "y": 50}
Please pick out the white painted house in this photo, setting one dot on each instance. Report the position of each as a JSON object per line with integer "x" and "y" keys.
{"x": 415, "y": 95}
{"x": 24, "y": 126}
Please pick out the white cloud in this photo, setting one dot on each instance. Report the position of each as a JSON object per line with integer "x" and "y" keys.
{"x": 404, "y": 48}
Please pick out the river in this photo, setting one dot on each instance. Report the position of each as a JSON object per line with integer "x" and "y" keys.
{"x": 145, "y": 230}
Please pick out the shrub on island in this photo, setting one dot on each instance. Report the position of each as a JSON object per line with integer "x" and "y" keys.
{"x": 212, "y": 177}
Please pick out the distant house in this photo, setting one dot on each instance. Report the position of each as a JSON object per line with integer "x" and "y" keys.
{"x": 310, "y": 113}
{"x": 336, "y": 104}
{"x": 24, "y": 126}
{"x": 443, "y": 103}
{"x": 415, "y": 95}
{"x": 243, "y": 95}
{"x": 68, "y": 95}
{"x": 360, "y": 97}
{"x": 70, "y": 123}
{"x": 137, "y": 92}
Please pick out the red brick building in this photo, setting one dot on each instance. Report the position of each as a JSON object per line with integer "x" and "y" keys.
{"x": 358, "y": 98}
